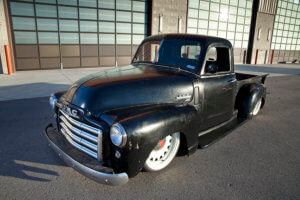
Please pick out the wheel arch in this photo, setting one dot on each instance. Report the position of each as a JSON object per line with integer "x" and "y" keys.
{"x": 247, "y": 96}
{"x": 183, "y": 149}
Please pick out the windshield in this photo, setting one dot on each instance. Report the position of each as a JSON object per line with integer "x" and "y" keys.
{"x": 180, "y": 53}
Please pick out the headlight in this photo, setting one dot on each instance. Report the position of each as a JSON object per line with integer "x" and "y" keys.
{"x": 52, "y": 101}
{"x": 118, "y": 135}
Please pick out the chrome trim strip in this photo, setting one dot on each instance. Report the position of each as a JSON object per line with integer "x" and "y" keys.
{"x": 79, "y": 139}
{"x": 100, "y": 157}
{"x": 220, "y": 74}
{"x": 82, "y": 125}
{"x": 185, "y": 97}
{"x": 78, "y": 131}
{"x": 78, "y": 146}
{"x": 232, "y": 80}
{"x": 101, "y": 177}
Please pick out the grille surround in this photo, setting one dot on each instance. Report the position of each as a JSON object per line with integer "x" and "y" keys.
{"x": 82, "y": 136}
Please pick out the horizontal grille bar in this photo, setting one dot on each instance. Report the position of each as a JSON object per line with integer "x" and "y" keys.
{"x": 78, "y": 131}
{"x": 78, "y": 146}
{"x": 82, "y": 125}
{"x": 79, "y": 139}
{"x": 82, "y": 136}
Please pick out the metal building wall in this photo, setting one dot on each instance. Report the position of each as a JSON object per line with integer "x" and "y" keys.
{"x": 168, "y": 16}
{"x": 286, "y": 34}
{"x": 228, "y": 19}
{"x": 51, "y": 34}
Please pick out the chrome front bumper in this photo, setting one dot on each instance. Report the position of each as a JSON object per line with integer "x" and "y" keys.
{"x": 96, "y": 172}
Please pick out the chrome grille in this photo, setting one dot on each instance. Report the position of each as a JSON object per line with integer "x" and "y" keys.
{"x": 82, "y": 136}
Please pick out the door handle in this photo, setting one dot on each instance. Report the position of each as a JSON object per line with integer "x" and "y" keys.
{"x": 226, "y": 88}
{"x": 232, "y": 80}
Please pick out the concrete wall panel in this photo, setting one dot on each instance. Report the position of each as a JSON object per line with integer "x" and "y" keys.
{"x": 70, "y": 50}
{"x": 89, "y": 50}
{"x": 24, "y": 51}
{"x": 264, "y": 22}
{"x": 49, "y": 50}
{"x": 50, "y": 63}
{"x": 89, "y": 61}
{"x": 71, "y": 62}
{"x": 170, "y": 10}
{"x": 107, "y": 61}
{"x": 27, "y": 63}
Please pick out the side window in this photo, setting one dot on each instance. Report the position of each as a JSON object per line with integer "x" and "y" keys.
{"x": 217, "y": 60}
{"x": 180, "y": 53}
{"x": 189, "y": 56}
{"x": 190, "y": 51}
{"x": 148, "y": 51}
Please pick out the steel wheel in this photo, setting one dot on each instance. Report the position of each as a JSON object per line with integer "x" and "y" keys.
{"x": 163, "y": 153}
{"x": 256, "y": 107}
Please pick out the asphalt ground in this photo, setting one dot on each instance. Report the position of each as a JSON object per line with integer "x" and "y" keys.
{"x": 257, "y": 160}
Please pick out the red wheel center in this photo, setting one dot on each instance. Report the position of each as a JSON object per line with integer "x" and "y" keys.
{"x": 162, "y": 143}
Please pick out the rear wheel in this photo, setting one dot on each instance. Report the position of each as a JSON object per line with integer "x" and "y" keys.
{"x": 163, "y": 153}
{"x": 256, "y": 107}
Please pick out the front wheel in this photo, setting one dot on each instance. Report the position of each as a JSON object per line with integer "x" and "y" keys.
{"x": 163, "y": 153}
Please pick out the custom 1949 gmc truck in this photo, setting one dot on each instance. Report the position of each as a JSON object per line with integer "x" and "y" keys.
{"x": 112, "y": 124}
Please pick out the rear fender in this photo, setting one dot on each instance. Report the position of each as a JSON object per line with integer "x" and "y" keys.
{"x": 247, "y": 98}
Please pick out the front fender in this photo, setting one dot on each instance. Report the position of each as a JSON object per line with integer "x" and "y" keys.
{"x": 145, "y": 129}
{"x": 59, "y": 94}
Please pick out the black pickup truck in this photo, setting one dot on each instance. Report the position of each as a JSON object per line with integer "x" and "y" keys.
{"x": 179, "y": 88}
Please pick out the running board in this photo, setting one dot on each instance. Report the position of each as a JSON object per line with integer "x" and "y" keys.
{"x": 214, "y": 134}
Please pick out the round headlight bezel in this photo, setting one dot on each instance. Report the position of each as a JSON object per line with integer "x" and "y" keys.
{"x": 118, "y": 135}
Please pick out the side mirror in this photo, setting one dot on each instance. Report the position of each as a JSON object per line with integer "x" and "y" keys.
{"x": 211, "y": 68}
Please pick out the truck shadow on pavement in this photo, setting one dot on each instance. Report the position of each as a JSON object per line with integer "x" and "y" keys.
{"x": 24, "y": 151}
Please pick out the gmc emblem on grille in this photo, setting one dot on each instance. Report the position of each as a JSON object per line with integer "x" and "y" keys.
{"x": 71, "y": 112}
{"x": 74, "y": 113}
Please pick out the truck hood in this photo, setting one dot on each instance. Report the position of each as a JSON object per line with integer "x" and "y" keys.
{"x": 132, "y": 85}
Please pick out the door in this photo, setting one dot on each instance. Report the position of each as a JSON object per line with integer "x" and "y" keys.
{"x": 218, "y": 87}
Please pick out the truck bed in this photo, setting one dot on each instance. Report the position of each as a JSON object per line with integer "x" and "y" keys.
{"x": 244, "y": 79}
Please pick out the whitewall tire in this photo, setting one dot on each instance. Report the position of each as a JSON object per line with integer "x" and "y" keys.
{"x": 163, "y": 153}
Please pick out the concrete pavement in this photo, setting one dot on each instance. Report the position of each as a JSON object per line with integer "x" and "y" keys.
{"x": 41, "y": 83}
